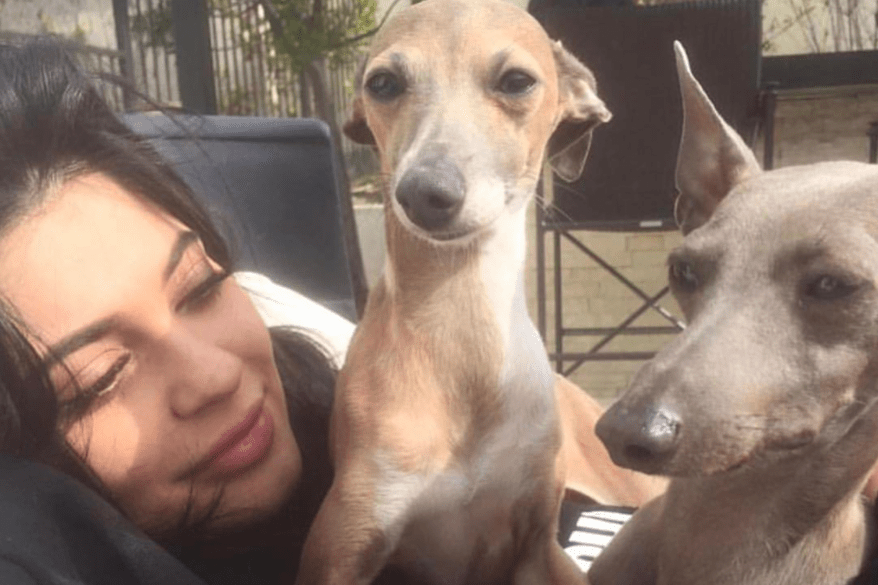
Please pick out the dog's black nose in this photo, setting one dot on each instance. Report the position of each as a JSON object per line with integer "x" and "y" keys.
{"x": 432, "y": 195}
{"x": 643, "y": 439}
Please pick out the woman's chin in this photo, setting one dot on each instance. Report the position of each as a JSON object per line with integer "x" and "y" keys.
{"x": 265, "y": 488}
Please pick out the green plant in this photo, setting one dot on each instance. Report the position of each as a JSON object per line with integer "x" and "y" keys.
{"x": 155, "y": 26}
{"x": 306, "y": 30}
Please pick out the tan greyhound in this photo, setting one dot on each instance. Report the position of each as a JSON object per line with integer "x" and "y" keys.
{"x": 765, "y": 410}
{"x": 445, "y": 428}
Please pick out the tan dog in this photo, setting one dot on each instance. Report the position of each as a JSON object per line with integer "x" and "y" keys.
{"x": 765, "y": 410}
{"x": 445, "y": 429}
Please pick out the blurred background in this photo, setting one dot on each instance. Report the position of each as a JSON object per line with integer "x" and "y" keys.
{"x": 816, "y": 61}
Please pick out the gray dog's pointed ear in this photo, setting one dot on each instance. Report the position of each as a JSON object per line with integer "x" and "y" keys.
{"x": 712, "y": 159}
{"x": 356, "y": 128}
{"x": 581, "y": 111}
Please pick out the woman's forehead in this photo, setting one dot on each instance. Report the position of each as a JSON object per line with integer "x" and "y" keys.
{"x": 91, "y": 250}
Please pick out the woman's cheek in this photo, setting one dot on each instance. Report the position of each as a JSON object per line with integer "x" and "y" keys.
{"x": 110, "y": 440}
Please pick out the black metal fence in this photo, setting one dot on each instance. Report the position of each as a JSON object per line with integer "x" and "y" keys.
{"x": 250, "y": 78}
{"x": 154, "y": 65}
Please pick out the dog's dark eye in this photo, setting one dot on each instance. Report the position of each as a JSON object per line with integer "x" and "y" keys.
{"x": 515, "y": 82}
{"x": 384, "y": 85}
{"x": 683, "y": 276}
{"x": 829, "y": 288}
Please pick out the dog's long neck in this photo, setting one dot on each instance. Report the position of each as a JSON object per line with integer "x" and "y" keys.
{"x": 464, "y": 306}
{"x": 804, "y": 524}
{"x": 473, "y": 280}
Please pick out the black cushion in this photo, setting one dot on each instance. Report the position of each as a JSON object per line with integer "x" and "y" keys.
{"x": 271, "y": 186}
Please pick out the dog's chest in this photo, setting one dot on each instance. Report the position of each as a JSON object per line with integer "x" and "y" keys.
{"x": 462, "y": 525}
{"x": 461, "y": 518}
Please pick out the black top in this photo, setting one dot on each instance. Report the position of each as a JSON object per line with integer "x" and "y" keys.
{"x": 55, "y": 531}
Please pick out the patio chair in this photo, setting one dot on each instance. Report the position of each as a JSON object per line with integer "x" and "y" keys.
{"x": 271, "y": 186}
{"x": 628, "y": 184}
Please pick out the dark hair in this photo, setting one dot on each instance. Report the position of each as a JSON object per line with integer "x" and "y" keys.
{"x": 54, "y": 124}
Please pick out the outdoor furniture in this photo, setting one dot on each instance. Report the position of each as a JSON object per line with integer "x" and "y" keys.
{"x": 628, "y": 183}
{"x": 271, "y": 186}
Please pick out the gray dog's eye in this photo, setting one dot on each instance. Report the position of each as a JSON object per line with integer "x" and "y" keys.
{"x": 385, "y": 85}
{"x": 683, "y": 276}
{"x": 827, "y": 287}
{"x": 516, "y": 82}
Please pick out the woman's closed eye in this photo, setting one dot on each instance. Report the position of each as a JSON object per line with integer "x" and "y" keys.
{"x": 93, "y": 385}
{"x": 196, "y": 280}
{"x": 205, "y": 290}
{"x": 110, "y": 378}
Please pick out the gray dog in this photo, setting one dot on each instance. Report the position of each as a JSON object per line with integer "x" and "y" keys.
{"x": 764, "y": 410}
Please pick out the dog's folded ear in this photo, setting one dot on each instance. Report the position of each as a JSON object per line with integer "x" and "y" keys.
{"x": 712, "y": 159}
{"x": 356, "y": 128}
{"x": 581, "y": 111}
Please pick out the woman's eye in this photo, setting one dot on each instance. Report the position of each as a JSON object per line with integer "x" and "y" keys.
{"x": 827, "y": 287}
{"x": 89, "y": 393}
{"x": 109, "y": 379}
{"x": 516, "y": 83}
{"x": 683, "y": 276}
{"x": 385, "y": 85}
{"x": 203, "y": 293}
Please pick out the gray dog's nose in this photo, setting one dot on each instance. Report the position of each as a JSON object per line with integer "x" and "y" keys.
{"x": 643, "y": 439}
{"x": 432, "y": 195}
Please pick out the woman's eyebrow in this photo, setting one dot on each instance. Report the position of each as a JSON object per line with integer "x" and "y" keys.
{"x": 98, "y": 329}
{"x": 78, "y": 339}
{"x": 184, "y": 240}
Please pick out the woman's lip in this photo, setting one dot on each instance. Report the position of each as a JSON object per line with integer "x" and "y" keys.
{"x": 241, "y": 445}
{"x": 236, "y": 433}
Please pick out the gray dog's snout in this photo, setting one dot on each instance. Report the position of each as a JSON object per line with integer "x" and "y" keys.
{"x": 643, "y": 439}
{"x": 432, "y": 195}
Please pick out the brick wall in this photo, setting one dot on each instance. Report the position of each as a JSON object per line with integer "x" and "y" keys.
{"x": 594, "y": 298}
{"x": 810, "y": 127}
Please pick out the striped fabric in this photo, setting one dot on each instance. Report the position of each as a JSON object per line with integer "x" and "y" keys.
{"x": 586, "y": 531}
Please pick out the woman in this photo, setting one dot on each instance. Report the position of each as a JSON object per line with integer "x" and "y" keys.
{"x": 131, "y": 360}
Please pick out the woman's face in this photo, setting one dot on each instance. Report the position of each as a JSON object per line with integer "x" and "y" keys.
{"x": 167, "y": 359}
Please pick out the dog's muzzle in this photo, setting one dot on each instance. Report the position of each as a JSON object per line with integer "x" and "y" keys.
{"x": 432, "y": 195}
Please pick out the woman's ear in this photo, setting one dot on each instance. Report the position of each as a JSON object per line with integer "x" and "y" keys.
{"x": 581, "y": 111}
{"x": 712, "y": 159}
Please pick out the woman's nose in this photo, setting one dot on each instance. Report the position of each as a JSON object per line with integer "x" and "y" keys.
{"x": 202, "y": 373}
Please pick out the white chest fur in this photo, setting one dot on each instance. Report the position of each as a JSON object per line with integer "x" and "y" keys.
{"x": 465, "y": 512}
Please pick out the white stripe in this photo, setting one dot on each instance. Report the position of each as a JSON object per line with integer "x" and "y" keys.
{"x": 594, "y": 524}
{"x": 621, "y": 517}
{"x": 582, "y": 555}
{"x": 579, "y": 537}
